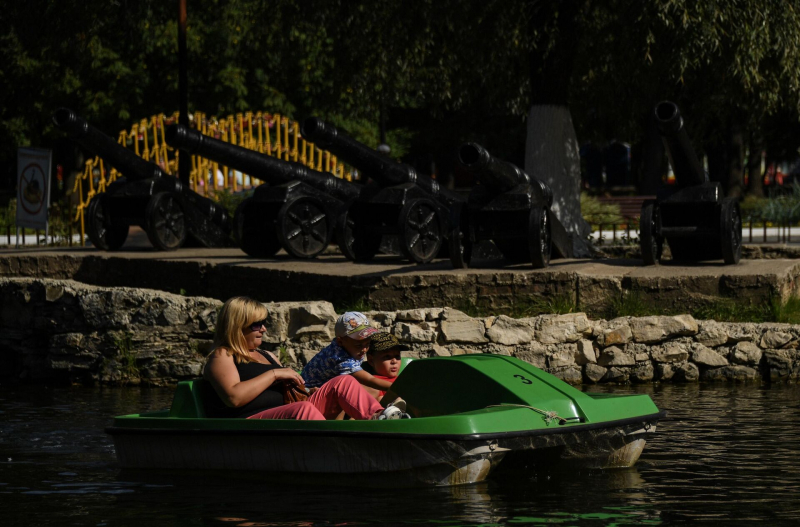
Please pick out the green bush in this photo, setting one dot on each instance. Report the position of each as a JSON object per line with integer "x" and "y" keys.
{"x": 783, "y": 208}
{"x": 231, "y": 200}
{"x": 752, "y": 207}
{"x": 597, "y": 213}
{"x": 8, "y": 214}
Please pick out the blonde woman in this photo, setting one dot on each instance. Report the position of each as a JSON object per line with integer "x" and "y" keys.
{"x": 246, "y": 380}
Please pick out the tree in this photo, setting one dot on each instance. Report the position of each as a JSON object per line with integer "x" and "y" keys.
{"x": 473, "y": 69}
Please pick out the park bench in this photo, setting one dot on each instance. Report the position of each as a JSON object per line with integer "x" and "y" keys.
{"x": 630, "y": 207}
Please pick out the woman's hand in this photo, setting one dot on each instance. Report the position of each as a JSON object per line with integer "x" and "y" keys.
{"x": 288, "y": 374}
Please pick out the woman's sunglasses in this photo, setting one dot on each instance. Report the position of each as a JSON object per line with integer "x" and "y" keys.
{"x": 255, "y": 326}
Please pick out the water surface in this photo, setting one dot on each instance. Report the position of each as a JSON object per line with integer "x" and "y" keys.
{"x": 724, "y": 455}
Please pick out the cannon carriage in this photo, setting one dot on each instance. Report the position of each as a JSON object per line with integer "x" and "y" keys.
{"x": 297, "y": 208}
{"x": 170, "y": 213}
{"x": 511, "y": 209}
{"x": 696, "y": 221}
{"x": 399, "y": 201}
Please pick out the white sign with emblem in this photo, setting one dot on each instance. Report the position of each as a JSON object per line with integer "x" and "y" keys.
{"x": 33, "y": 187}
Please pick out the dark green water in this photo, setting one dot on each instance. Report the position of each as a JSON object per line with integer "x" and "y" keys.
{"x": 726, "y": 455}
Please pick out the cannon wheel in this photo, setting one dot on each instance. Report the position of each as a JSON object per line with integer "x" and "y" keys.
{"x": 731, "y": 231}
{"x": 650, "y": 240}
{"x": 460, "y": 249}
{"x": 302, "y": 227}
{"x": 254, "y": 234}
{"x": 343, "y": 232}
{"x": 539, "y": 239}
{"x": 103, "y": 234}
{"x": 165, "y": 222}
{"x": 420, "y": 230}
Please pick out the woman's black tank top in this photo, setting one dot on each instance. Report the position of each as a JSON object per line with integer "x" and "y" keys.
{"x": 269, "y": 398}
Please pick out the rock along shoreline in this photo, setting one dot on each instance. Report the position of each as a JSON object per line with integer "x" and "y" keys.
{"x": 63, "y": 330}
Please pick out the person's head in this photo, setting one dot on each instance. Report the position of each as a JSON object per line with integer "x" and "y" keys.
{"x": 240, "y": 327}
{"x": 384, "y": 354}
{"x": 353, "y": 333}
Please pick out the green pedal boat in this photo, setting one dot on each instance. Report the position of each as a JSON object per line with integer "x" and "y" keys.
{"x": 471, "y": 415}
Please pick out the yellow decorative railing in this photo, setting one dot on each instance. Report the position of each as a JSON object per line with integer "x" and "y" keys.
{"x": 270, "y": 134}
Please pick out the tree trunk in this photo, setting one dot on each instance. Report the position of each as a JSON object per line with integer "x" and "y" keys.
{"x": 653, "y": 159}
{"x": 551, "y": 156}
{"x": 551, "y": 147}
{"x": 726, "y": 161}
{"x": 715, "y": 155}
{"x": 734, "y": 187}
{"x": 755, "y": 168}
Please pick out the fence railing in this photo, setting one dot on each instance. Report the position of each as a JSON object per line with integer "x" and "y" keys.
{"x": 8, "y": 236}
{"x": 754, "y": 231}
{"x": 270, "y": 134}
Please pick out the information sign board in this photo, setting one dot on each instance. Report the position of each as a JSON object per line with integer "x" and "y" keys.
{"x": 33, "y": 187}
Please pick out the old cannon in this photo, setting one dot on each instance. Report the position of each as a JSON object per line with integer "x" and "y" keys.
{"x": 398, "y": 201}
{"x": 510, "y": 208}
{"x": 297, "y": 208}
{"x": 170, "y": 213}
{"x": 696, "y": 221}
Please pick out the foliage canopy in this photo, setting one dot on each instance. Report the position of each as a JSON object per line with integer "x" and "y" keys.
{"x": 463, "y": 63}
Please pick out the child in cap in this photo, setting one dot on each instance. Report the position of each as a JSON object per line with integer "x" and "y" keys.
{"x": 344, "y": 355}
{"x": 383, "y": 362}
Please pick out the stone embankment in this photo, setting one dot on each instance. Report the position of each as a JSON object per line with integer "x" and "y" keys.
{"x": 66, "y": 330}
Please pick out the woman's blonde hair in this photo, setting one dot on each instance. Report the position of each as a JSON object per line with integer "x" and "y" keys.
{"x": 236, "y": 314}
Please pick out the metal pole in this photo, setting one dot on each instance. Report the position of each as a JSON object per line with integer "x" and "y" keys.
{"x": 383, "y": 122}
{"x": 184, "y": 166}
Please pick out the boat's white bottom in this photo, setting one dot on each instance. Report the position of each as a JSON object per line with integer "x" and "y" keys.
{"x": 410, "y": 462}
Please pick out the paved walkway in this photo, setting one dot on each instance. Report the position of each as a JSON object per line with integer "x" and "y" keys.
{"x": 390, "y": 283}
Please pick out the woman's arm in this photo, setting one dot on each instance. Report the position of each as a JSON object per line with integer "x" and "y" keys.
{"x": 368, "y": 380}
{"x": 221, "y": 372}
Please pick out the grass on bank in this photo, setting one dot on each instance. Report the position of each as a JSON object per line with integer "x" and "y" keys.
{"x": 722, "y": 310}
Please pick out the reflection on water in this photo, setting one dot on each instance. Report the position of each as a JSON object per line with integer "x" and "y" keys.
{"x": 724, "y": 454}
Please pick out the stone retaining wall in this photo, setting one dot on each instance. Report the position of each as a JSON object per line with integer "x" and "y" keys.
{"x": 594, "y": 286}
{"x": 62, "y": 329}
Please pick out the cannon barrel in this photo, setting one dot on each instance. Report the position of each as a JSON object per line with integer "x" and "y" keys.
{"x": 385, "y": 171}
{"x": 498, "y": 175}
{"x": 685, "y": 164}
{"x": 256, "y": 164}
{"x": 489, "y": 170}
{"x": 131, "y": 166}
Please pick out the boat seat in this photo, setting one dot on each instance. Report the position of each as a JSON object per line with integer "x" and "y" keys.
{"x": 190, "y": 396}
{"x": 188, "y": 401}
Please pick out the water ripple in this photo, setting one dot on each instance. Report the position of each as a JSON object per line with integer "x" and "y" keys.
{"x": 724, "y": 454}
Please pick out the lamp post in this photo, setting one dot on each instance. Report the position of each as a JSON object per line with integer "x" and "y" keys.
{"x": 383, "y": 148}
{"x": 184, "y": 166}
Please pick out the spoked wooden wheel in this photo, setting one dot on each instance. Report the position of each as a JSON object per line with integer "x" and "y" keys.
{"x": 254, "y": 231}
{"x": 343, "y": 233}
{"x": 302, "y": 227}
{"x": 102, "y": 232}
{"x": 650, "y": 241}
{"x": 420, "y": 232}
{"x": 539, "y": 238}
{"x": 165, "y": 222}
{"x": 731, "y": 231}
